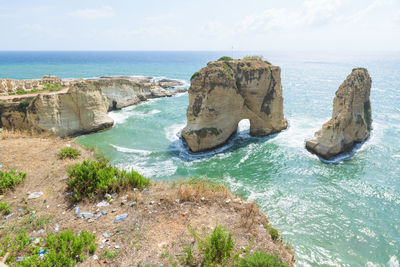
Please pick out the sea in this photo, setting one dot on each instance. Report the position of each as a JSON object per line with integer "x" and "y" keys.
{"x": 342, "y": 212}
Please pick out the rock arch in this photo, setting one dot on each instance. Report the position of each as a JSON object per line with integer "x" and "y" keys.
{"x": 225, "y": 92}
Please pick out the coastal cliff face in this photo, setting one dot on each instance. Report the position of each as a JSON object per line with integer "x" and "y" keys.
{"x": 123, "y": 92}
{"x": 351, "y": 117}
{"x": 225, "y": 92}
{"x": 79, "y": 108}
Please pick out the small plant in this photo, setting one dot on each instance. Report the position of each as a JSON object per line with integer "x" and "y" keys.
{"x": 261, "y": 259}
{"x": 91, "y": 178}
{"x": 255, "y": 57}
{"x": 69, "y": 152}
{"x": 10, "y": 179}
{"x": 51, "y": 87}
{"x": 195, "y": 75}
{"x": 188, "y": 259}
{"x": 217, "y": 247}
{"x": 5, "y": 208}
{"x": 225, "y": 58}
{"x": 109, "y": 255}
{"x": 272, "y": 231}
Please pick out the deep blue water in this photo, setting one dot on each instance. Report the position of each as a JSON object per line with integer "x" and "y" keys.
{"x": 342, "y": 213}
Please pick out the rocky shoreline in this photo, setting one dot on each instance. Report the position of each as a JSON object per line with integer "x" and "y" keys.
{"x": 71, "y": 107}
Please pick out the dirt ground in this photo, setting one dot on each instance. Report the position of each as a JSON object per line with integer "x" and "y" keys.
{"x": 156, "y": 229}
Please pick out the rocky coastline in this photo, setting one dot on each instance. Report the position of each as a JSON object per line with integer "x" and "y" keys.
{"x": 71, "y": 107}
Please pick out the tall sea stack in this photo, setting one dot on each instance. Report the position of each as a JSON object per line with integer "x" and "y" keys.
{"x": 227, "y": 91}
{"x": 351, "y": 117}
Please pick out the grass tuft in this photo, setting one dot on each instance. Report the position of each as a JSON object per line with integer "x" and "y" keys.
{"x": 5, "y": 208}
{"x": 216, "y": 247}
{"x": 261, "y": 259}
{"x": 10, "y": 179}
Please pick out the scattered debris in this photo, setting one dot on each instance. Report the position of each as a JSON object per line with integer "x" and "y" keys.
{"x": 121, "y": 217}
{"x": 103, "y": 203}
{"x": 104, "y": 212}
{"x": 116, "y": 246}
{"x": 76, "y": 211}
{"x": 57, "y": 228}
{"x": 162, "y": 244}
{"x": 95, "y": 257}
{"x": 87, "y": 215}
{"x": 106, "y": 235}
{"x": 132, "y": 204}
{"x": 8, "y": 216}
{"x": 35, "y": 195}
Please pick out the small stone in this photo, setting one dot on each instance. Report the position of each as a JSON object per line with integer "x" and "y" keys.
{"x": 227, "y": 201}
{"x": 202, "y": 198}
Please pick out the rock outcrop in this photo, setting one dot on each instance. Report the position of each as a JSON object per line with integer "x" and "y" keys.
{"x": 81, "y": 107}
{"x": 225, "y": 92}
{"x": 124, "y": 91}
{"x": 351, "y": 117}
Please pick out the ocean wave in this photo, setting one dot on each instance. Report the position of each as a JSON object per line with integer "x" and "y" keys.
{"x": 131, "y": 150}
{"x": 119, "y": 116}
{"x": 172, "y": 132}
{"x": 393, "y": 262}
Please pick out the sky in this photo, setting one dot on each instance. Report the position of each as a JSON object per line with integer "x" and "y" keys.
{"x": 250, "y": 25}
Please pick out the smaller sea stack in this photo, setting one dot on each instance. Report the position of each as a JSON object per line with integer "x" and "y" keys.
{"x": 351, "y": 117}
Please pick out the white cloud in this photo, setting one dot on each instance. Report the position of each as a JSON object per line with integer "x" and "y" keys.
{"x": 311, "y": 14}
{"x": 91, "y": 13}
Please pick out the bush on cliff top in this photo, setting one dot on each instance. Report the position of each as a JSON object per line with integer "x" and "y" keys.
{"x": 10, "y": 179}
{"x": 91, "y": 178}
{"x": 68, "y": 152}
{"x": 255, "y": 57}
{"x": 225, "y": 58}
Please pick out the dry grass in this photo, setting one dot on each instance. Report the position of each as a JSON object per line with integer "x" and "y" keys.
{"x": 155, "y": 231}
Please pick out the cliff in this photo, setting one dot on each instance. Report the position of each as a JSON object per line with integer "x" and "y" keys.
{"x": 351, "y": 117}
{"x": 225, "y": 92}
{"x": 80, "y": 107}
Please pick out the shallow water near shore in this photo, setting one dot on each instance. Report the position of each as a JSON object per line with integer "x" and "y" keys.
{"x": 343, "y": 212}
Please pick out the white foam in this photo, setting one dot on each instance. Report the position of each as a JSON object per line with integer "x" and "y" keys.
{"x": 119, "y": 116}
{"x": 393, "y": 262}
{"x": 131, "y": 150}
{"x": 172, "y": 132}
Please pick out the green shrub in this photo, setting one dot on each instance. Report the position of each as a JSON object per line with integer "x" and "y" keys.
{"x": 20, "y": 91}
{"x": 255, "y": 57}
{"x": 5, "y": 208}
{"x": 69, "y": 152}
{"x": 91, "y": 178}
{"x": 10, "y": 179}
{"x": 195, "y": 75}
{"x": 261, "y": 259}
{"x": 62, "y": 249}
{"x": 217, "y": 247}
{"x": 225, "y": 58}
{"x": 188, "y": 259}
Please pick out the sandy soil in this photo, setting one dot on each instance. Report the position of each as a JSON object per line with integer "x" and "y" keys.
{"x": 156, "y": 229}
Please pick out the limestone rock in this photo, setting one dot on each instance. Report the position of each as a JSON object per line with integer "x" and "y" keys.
{"x": 225, "y": 92}
{"x": 351, "y": 117}
{"x": 81, "y": 110}
{"x": 121, "y": 92}
{"x": 168, "y": 83}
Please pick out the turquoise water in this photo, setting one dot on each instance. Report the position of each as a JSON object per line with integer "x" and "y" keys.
{"x": 345, "y": 212}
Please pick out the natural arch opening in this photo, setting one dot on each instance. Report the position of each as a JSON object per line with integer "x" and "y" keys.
{"x": 244, "y": 126}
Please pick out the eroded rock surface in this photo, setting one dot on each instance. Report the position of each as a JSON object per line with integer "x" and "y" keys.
{"x": 225, "y": 92}
{"x": 351, "y": 117}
